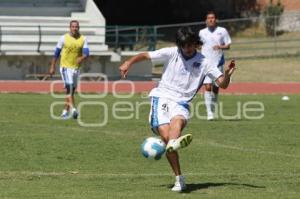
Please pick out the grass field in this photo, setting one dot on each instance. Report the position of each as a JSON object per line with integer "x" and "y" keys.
{"x": 239, "y": 158}
{"x": 274, "y": 69}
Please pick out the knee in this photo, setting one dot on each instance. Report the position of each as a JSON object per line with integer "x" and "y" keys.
{"x": 208, "y": 87}
{"x": 70, "y": 89}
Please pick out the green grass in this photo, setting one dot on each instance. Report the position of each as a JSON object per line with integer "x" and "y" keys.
{"x": 253, "y": 43}
{"x": 280, "y": 69}
{"x": 272, "y": 69}
{"x": 240, "y": 158}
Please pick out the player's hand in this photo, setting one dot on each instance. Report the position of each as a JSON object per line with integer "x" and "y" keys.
{"x": 230, "y": 68}
{"x": 124, "y": 69}
{"x": 217, "y": 47}
{"x": 79, "y": 60}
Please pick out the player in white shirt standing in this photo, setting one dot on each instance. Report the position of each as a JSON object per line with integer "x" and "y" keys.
{"x": 215, "y": 40}
{"x": 183, "y": 73}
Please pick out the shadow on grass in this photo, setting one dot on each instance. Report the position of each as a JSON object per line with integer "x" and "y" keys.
{"x": 194, "y": 187}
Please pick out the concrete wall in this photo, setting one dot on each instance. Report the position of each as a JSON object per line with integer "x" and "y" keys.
{"x": 15, "y": 67}
{"x": 290, "y": 22}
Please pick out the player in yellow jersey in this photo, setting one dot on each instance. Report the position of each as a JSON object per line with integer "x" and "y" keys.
{"x": 72, "y": 48}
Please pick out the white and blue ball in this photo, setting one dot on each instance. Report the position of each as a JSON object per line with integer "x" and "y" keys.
{"x": 153, "y": 148}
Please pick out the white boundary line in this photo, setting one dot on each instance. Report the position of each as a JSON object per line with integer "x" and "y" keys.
{"x": 218, "y": 145}
{"x": 133, "y": 175}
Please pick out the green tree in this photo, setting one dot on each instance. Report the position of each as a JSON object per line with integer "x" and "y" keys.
{"x": 272, "y": 12}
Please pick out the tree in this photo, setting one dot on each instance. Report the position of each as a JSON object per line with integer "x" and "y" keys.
{"x": 272, "y": 12}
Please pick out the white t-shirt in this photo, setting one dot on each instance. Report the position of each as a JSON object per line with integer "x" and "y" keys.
{"x": 181, "y": 79}
{"x": 210, "y": 39}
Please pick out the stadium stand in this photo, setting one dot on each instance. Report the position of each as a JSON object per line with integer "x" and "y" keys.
{"x": 34, "y": 26}
{"x": 30, "y": 29}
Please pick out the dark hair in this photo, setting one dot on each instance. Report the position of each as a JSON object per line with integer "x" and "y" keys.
{"x": 74, "y": 21}
{"x": 211, "y": 13}
{"x": 185, "y": 35}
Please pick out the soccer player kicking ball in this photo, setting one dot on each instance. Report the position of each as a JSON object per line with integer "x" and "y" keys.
{"x": 183, "y": 73}
{"x": 215, "y": 40}
{"x": 73, "y": 49}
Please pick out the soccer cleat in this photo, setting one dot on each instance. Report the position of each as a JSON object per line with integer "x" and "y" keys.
{"x": 210, "y": 117}
{"x": 181, "y": 142}
{"x": 75, "y": 114}
{"x": 179, "y": 184}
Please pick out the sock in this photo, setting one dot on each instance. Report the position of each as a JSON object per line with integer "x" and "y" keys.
{"x": 214, "y": 99}
{"x": 73, "y": 109}
{"x": 64, "y": 112}
{"x": 208, "y": 101}
{"x": 179, "y": 178}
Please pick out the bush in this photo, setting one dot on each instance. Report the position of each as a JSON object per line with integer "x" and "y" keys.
{"x": 272, "y": 13}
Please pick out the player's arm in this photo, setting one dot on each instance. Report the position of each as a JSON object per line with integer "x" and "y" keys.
{"x": 54, "y": 61}
{"x": 227, "y": 42}
{"x": 128, "y": 63}
{"x": 85, "y": 52}
{"x": 57, "y": 51}
{"x": 222, "y": 47}
{"x": 224, "y": 80}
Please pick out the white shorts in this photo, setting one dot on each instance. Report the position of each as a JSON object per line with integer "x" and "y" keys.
{"x": 163, "y": 110}
{"x": 208, "y": 80}
{"x": 70, "y": 76}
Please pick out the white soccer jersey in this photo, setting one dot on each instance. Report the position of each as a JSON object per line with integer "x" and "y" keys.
{"x": 210, "y": 39}
{"x": 181, "y": 79}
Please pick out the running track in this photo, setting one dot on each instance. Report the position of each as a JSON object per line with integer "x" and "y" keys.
{"x": 141, "y": 86}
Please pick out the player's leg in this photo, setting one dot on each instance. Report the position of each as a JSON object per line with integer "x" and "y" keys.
{"x": 215, "y": 91}
{"x": 214, "y": 97}
{"x": 208, "y": 98}
{"x": 72, "y": 101}
{"x": 173, "y": 158}
{"x": 160, "y": 124}
{"x": 75, "y": 77}
{"x": 176, "y": 126}
{"x": 70, "y": 78}
{"x": 176, "y": 141}
{"x": 171, "y": 132}
{"x": 64, "y": 75}
{"x": 179, "y": 113}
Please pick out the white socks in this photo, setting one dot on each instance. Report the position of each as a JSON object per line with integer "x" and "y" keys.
{"x": 179, "y": 178}
{"x": 64, "y": 112}
{"x": 208, "y": 102}
{"x": 214, "y": 100}
{"x": 210, "y": 99}
{"x": 73, "y": 109}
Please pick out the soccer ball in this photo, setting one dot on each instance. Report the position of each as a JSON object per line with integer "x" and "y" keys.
{"x": 153, "y": 148}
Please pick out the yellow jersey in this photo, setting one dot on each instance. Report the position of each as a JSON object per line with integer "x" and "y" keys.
{"x": 71, "y": 50}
